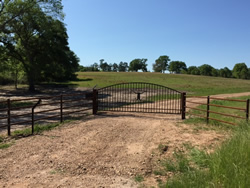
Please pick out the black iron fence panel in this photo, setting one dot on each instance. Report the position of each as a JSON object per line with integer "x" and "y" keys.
{"x": 139, "y": 97}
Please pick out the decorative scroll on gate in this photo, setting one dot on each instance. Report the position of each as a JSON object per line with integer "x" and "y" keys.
{"x": 140, "y": 97}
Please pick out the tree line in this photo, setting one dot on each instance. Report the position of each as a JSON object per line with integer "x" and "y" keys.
{"x": 163, "y": 63}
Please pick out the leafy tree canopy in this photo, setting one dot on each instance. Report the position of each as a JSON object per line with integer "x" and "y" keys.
{"x": 177, "y": 66}
{"x": 161, "y": 64}
{"x": 123, "y": 67}
{"x": 206, "y": 70}
{"x": 33, "y": 34}
{"x": 138, "y": 64}
{"x": 193, "y": 70}
{"x": 240, "y": 71}
{"x": 225, "y": 72}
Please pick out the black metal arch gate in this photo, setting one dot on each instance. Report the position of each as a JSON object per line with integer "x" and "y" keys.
{"x": 139, "y": 97}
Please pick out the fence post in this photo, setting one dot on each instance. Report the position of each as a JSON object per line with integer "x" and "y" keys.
{"x": 8, "y": 118}
{"x": 95, "y": 102}
{"x": 208, "y": 102}
{"x": 32, "y": 115}
{"x": 247, "y": 110}
{"x": 61, "y": 108}
{"x": 183, "y": 105}
{"x": 32, "y": 120}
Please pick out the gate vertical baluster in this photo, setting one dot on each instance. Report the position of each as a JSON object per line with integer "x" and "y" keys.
{"x": 247, "y": 110}
{"x": 183, "y": 108}
{"x": 164, "y": 101}
{"x": 159, "y": 99}
{"x": 154, "y": 98}
{"x": 115, "y": 99}
{"x": 171, "y": 103}
{"x": 95, "y": 104}
{"x": 143, "y": 102}
{"x": 121, "y": 98}
{"x": 174, "y": 111}
{"x": 136, "y": 103}
{"x": 180, "y": 100}
{"x": 208, "y": 107}
{"x": 8, "y": 118}
{"x": 110, "y": 105}
{"x": 147, "y": 97}
{"x": 105, "y": 98}
{"x": 117, "y": 96}
{"x": 150, "y": 105}
{"x": 176, "y": 102}
{"x": 151, "y": 97}
{"x": 126, "y": 95}
{"x": 131, "y": 85}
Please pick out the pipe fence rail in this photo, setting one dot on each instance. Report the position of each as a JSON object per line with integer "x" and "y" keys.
{"x": 30, "y": 110}
{"x": 193, "y": 106}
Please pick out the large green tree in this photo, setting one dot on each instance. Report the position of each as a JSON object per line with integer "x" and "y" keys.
{"x": 123, "y": 67}
{"x": 33, "y": 34}
{"x": 177, "y": 66}
{"x": 138, "y": 64}
{"x": 161, "y": 64}
{"x": 240, "y": 70}
{"x": 193, "y": 70}
{"x": 206, "y": 70}
{"x": 225, "y": 72}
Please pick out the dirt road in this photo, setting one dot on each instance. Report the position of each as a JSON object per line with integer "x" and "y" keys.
{"x": 107, "y": 150}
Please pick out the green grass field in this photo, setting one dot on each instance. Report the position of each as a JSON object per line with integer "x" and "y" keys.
{"x": 227, "y": 166}
{"x": 194, "y": 85}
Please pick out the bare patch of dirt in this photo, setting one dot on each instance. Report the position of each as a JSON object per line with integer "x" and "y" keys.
{"x": 107, "y": 150}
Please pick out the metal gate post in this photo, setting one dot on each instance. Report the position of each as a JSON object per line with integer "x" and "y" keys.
{"x": 95, "y": 101}
{"x": 247, "y": 110}
{"x": 183, "y": 105}
{"x": 208, "y": 108}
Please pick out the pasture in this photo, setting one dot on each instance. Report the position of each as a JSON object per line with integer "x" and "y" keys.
{"x": 194, "y": 85}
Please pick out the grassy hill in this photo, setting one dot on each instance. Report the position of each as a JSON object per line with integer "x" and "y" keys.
{"x": 195, "y": 85}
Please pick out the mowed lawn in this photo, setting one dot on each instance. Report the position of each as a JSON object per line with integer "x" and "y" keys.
{"x": 193, "y": 85}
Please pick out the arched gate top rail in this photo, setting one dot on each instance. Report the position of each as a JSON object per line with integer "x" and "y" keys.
{"x": 140, "y": 83}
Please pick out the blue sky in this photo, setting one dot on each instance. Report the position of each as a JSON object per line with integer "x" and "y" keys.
{"x": 215, "y": 32}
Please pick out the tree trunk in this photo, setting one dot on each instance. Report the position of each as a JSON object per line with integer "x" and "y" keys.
{"x": 31, "y": 86}
{"x": 16, "y": 75}
{"x": 31, "y": 81}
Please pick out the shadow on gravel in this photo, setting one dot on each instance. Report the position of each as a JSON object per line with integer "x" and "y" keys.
{"x": 42, "y": 90}
{"x": 138, "y": 115}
